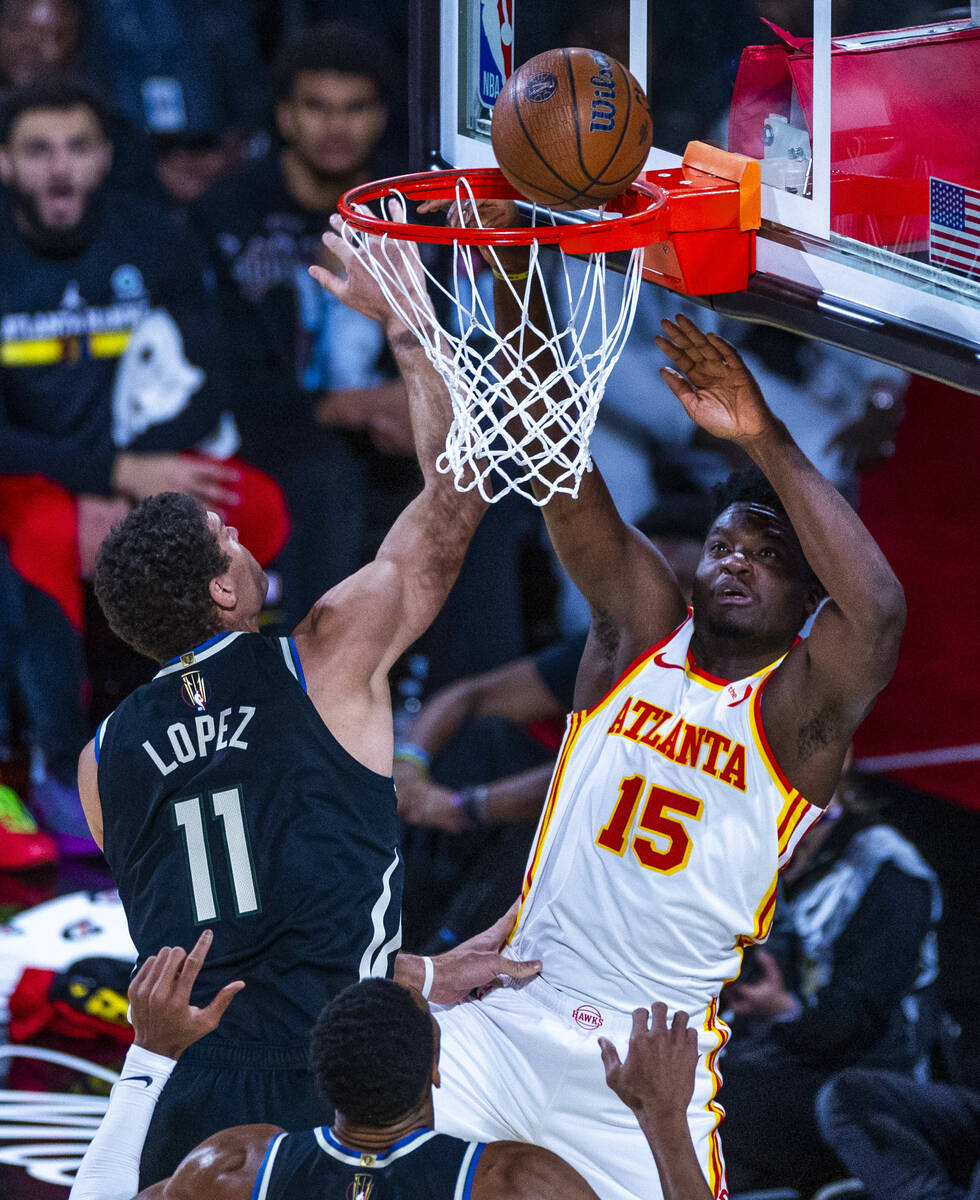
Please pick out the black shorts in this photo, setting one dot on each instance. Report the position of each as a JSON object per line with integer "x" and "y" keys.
{"x": 217, "y": 1086}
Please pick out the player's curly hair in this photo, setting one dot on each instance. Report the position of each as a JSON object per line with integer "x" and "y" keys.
{"x": 372, "y": 1050}
{"x": 152, "y": 575}
{"x": 750, "y": 486}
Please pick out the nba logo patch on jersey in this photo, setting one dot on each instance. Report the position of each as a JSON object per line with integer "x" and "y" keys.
{"x": 192, "y": 690}
{"x": 361, "y": 1188}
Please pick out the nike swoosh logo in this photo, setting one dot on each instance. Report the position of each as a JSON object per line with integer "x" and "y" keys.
{"x": 147, "y": 1079}
{"x": 659, "y": 660}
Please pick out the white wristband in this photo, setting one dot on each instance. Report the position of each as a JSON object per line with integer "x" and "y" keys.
{"x": 428, "y": 977}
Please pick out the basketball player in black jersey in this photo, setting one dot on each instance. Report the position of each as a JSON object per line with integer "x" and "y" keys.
{"x": 375, "y": 1054}
{"x": 247, "y": 788}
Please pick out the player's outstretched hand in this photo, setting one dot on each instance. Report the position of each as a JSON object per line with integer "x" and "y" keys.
{"x": 657, "y": 1078}
{"x": 161, "y": 1013}
{"x": 357, "y": 287}
{"x": 477, "y": 964}
{"x": 712, "y": 382}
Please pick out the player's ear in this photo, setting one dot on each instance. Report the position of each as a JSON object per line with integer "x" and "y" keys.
{"x": 223, "y": 592}
{"x": 284, "y": 118}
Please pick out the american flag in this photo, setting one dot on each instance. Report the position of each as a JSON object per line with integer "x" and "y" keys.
{"x": 954, "y": 226}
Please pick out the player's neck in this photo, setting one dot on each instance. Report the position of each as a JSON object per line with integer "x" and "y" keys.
{"x": 733, "y": 658}
{"x": 376, "y": 1139}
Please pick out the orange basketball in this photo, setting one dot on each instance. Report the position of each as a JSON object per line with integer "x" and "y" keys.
{"x": 571, "y": 128}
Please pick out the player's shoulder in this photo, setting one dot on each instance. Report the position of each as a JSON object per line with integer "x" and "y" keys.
{"x": 519, "y": 1171}
{"x": 224, "y": 1166}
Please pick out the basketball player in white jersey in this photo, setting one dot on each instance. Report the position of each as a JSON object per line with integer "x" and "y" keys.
{"x": 705, "y": 744}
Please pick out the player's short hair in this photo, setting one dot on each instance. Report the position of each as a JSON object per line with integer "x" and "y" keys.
{"x": 152, "y": 574}
{"x": 333, "y": 46}
{"x": 59, "y": 92}
{"x": 372, "y": 1051}
{"x": 750, "y": 486}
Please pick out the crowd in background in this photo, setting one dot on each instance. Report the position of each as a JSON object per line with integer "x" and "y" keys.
{"x": 167, "y": 172}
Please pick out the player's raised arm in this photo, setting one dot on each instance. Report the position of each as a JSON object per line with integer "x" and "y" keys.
{"x": 358, "y": 630}
{"x": 657, "y": 1081}
{"x": 631, "y": 590}
{"x": 165, "y": 1023}
{"x": 827, "y": 683}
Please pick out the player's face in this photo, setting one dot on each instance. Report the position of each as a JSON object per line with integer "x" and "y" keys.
{"x": 751, "y": 581}
{"x": 36, "y": 36}
{"x": 332, "y": 121}
{"x": 55, "y": 162}
{"x": 251, "y": 582}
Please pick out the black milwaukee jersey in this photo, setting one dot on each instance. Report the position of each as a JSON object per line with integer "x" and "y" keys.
{"x": 423, "y": 1166}
{"x": 228, "y": 803}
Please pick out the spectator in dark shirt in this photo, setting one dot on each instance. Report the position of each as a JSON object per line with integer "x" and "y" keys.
{"x": 846, "y": 980}
{"x": 110, "y": 375}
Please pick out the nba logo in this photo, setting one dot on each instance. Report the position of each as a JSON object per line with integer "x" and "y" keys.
{"x": 496, "y": 47}
{"x": 192, "y": 690}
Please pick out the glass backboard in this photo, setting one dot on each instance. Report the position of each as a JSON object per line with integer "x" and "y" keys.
{"x": 864, "y": 115}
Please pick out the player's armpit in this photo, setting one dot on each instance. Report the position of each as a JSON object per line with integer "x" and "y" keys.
{"x": 517, "y": 1171}
{"x": 224, "y": 1167}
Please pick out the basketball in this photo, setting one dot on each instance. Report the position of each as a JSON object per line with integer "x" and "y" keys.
{"x": 571, "y": 128}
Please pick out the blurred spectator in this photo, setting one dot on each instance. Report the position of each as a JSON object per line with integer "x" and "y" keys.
{"x": 109, "y": 368}
{"x": 41, "y": 39}
{"x": 293, "y": 349}
{"x": 490, "y": 740}
{"x": 847, "y": 980}
{"x": 904, "y": 1140}
{"x": 37, "y": 37}
{"x": 179, "y": 66}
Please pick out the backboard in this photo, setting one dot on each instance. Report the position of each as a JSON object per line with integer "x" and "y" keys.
{"x": 867, "y": 143}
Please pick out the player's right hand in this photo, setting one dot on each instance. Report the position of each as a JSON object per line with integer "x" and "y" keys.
{"x": 476, "y": 965}
{"x": 657, "y": 1077}
{"x": 163, "y": 1018}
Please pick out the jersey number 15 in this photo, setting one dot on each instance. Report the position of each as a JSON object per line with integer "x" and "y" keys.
{"x": 671, "y": 852}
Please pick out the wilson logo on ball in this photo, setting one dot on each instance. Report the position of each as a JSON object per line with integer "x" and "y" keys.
{"x": 604, "y": 98}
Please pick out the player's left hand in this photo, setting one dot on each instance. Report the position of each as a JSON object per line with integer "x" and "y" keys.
{"x": 358, "y": 288}
{"x": 657, "y": 1077}
{"x": 161, "y": 1013}
{"x": 477, "y": 964}
{"x": 711, "y": 381}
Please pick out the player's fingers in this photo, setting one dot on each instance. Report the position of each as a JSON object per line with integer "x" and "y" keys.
{"x": 675, "y": 334}
{"x": 170, "y": 958}
{"x": 640, "y": 1022}
{"x": 216, "y": 1009}
{"x": 679, "y": 1021}
{"x": 691, "y": 1038}
{"x": 214, "y": 493}
{"x": 677, "y": 384}
{"x": 610, "y": 1056}
{"x": 143, "y": 980}
{"x": 724, "y": 349}
{"x": 526, "y": 969}
{"x": 676, "y": 354}
{"x": 328, "y": 280}
{"x": 690, "y": 330}
{"x": 658, "y": 1017}
{"x": 193, "y": 962}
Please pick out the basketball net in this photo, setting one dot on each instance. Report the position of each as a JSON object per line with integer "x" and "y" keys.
{"x": 524, "y": 402}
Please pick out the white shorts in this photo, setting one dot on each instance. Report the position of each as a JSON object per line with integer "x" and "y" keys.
{"x": 524, "y": 1065}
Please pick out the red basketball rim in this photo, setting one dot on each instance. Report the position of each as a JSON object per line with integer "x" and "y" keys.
{"x": 642, "y": 209}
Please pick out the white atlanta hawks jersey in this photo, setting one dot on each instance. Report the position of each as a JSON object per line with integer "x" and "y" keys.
{"x": 657, "y": 852}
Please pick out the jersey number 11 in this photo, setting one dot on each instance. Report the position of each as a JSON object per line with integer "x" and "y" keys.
{"x": 226, "y": 807}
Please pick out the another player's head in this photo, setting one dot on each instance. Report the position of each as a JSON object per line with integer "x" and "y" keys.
{"x": 753, "y": 582}
{"x": 172, "y": 575}
{"x": 331, "y": 86}
{"x": 55, "y": 155}
{"x": 374, "y": 1051}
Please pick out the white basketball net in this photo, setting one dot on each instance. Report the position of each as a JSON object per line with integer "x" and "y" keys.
{"x": 525, "y": 402}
